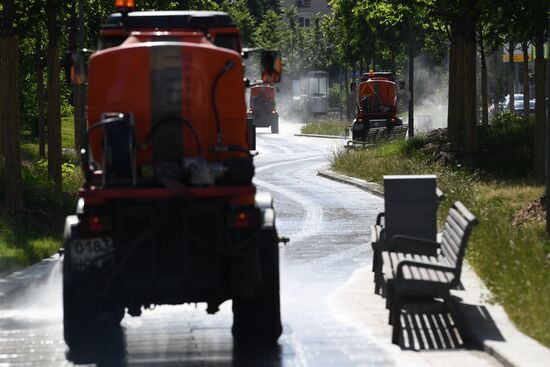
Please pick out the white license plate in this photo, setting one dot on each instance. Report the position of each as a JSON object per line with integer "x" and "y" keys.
{"x": 90, "y": 251}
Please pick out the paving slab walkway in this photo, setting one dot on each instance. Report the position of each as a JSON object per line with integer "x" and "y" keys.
{"x": 488, "y": 324}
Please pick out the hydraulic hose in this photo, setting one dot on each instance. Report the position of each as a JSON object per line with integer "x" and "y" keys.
{"x": 228, "y": 66}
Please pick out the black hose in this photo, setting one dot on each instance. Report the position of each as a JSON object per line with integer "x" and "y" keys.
{"x": 228, "y": 66}
{"x": 104, "y": 122}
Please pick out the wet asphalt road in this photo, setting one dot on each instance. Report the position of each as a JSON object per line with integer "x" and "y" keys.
{"x": 328, "y": 226}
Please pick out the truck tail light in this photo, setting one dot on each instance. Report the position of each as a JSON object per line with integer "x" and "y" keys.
{"x": 95, "y": 224}
{"x": 242, "y": 220}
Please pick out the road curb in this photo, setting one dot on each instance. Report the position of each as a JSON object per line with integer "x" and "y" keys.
{"x": 321, "y": 136}
{"x": 23, "y": 278}
{"x": 371, "y": 187}
{"x": 514, "y": 349}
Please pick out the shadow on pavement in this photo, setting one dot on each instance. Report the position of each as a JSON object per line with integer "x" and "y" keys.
{"x": 260, "y": 356}
{"x": 429, "y": 325}
{"x": 108, "y": 348}
{"x": 105, "y": 348}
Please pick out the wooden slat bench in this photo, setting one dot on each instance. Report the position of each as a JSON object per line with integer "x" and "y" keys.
{"x": 377, "y": 135}
{"x": 426, "y": 269}
{"x": 380, "y": 242}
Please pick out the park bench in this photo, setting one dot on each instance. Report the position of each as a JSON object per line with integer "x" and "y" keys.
{"x": 410, "y": 208}
{"x": 417, "y": 268}
{"x": 377, "y": 135}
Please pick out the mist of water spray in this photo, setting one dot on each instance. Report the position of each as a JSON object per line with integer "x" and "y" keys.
{"x": 39, "y": 301}
{"x": 431, "y": 95}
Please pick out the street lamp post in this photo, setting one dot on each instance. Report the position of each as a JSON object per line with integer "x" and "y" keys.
{"x": 82, "y": 88}
{"x": 547, "y": 136}
{"x": 411, "y": 76}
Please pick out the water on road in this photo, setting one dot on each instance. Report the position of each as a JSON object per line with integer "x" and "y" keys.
{"x": 328, "y": 224}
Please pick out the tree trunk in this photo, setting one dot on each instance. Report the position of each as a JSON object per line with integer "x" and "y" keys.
{"x": 457, "y": 80}
{"x": 451, "y": 105}
{"x": 511, "y": 76}
{"x": 470, "y": 86}
{"x": 484, "y": 86}
{"x": 54, "y": 105}
{"x": 496, "y": 86}
{"x": 9, "y": 116}
{"x": 540, "y": 113}
{"x": 40, "y": 94}
{"x": 374, "y": 51}
{"x": 73, "y": 37}
{"x": 526, "y": 97}
{"x": 10, "y": 131}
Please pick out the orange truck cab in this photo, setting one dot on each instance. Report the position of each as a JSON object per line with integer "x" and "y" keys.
{"x": 168, "y": 213}
{"x": 262, "y": 108}
{"x": 376, "y": 104}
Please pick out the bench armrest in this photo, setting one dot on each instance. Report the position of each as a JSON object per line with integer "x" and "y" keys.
{"x": 380, "y": 245}
{"x": 402, "y": 264}
{"x": 379, "y": 218}
{"x": 415, "y": 245}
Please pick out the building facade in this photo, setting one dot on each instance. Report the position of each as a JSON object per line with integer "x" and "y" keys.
{"x": 307, "y": 9}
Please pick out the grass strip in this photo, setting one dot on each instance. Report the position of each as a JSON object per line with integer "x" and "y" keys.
{"x": 37, "y": 232}
{"x": 325, "y": 127}
{"x": 511, "y": 259}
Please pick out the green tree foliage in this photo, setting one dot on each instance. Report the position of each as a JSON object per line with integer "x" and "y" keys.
{"x": 270, "y": 31}
{"x": 240, "y": 13}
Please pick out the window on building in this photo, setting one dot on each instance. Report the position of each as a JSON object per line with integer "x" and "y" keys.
{"x": 306, "y": 3}
{"x": 304, "y": 21}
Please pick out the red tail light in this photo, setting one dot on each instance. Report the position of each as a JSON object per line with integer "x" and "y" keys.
{"x": 242, "y": 220}
{"x": 95, "y": 224}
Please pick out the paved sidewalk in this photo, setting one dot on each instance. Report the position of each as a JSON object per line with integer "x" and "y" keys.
{"x": 322, "y": 136}
{"x": 489, "y": 325}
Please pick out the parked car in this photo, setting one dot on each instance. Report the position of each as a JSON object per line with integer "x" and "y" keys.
{"x": 518, "y": 105}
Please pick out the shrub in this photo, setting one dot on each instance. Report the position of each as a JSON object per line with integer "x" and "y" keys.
{"x": 335, "y": 98}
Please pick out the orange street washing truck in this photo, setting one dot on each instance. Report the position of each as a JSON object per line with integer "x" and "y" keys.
{"x": 168, "y": 213}
{"x": 376, "y": 104}
{"x": 262, "y": 108}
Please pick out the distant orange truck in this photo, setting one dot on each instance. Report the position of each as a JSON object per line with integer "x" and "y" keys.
{"x": 376, "y": 104}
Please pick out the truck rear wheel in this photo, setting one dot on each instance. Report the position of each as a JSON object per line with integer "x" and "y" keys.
{"x": 90, "y": 329}
{"x": 275, "y": 125}
{"x": 257, "y": 318}
{"x": 91, "y": 322}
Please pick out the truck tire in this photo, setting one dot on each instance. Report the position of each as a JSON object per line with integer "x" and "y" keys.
{"x": 275, "y": 125}
{"x": 91, "y": 324}
{"x": 257, "y": 318}
{"x": 91, "y": 331}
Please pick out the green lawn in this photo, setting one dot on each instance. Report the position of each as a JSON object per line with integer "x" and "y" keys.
{"x": 325, "y": 127}
{"x": 37, "y": 232}
{"x": 67, "y": 132}
{"x": 511, "y": 259}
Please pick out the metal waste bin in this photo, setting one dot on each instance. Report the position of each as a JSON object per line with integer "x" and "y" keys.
{"x": 410, "y": 204}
